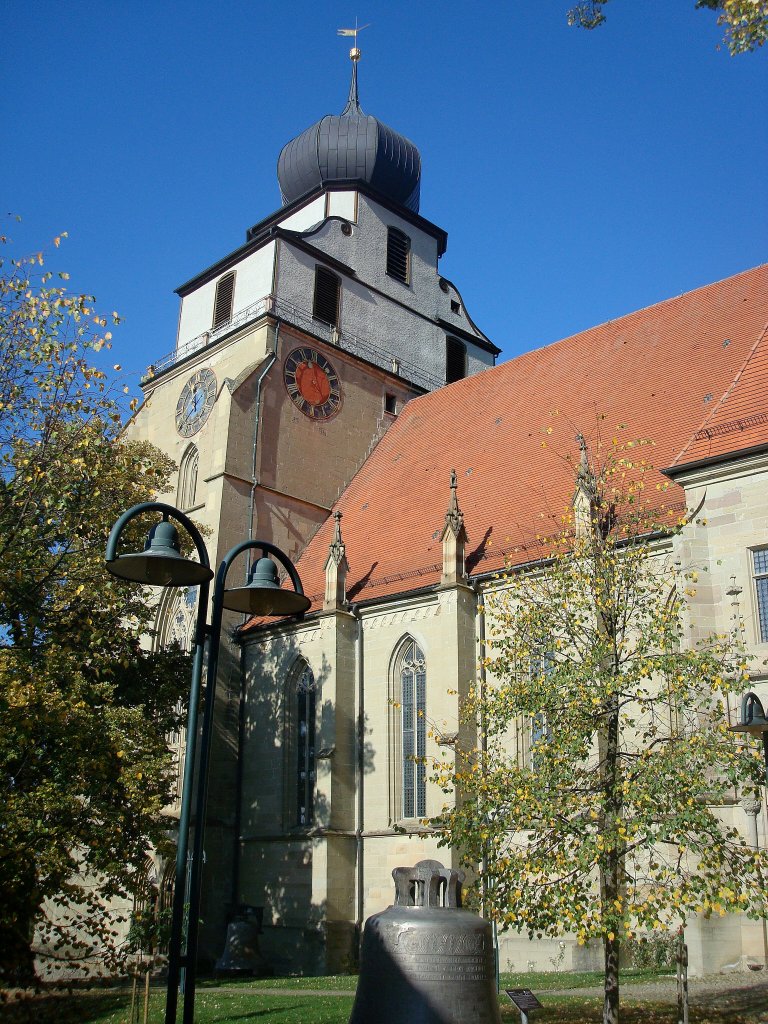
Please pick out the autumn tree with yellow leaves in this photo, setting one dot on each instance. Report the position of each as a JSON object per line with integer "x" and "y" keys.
{"x": 84, "y": 711}
{"x": 744, "y": 22}
{"x": 610, "y": 823}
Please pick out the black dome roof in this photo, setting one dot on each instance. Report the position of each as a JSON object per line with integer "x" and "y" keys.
{"x": 351, "y": 146}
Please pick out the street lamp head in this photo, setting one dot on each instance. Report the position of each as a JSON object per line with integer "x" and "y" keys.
{"x": 752, "y": 718}
{"x": 263, "y": 594}
{"x": 161, "y": 563}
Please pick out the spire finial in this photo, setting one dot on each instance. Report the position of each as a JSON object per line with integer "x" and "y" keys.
{"x": 336, "y": 569}
{"x": 454, "y": 518}
{"x": 584, "y": 459}
{"x": 353, "y": 103}
{"x": 453, "y": 538}
{"x": 336, "y": 548}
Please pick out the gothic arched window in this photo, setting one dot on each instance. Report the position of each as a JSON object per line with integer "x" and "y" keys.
{"x": 300, "y": 735}
{"x": 187, "y": 491}
{"x": 408, "y": 732}
{"x": 176, "y": 619}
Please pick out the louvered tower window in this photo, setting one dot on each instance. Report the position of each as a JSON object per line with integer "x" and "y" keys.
{"x": 398, "y": 255}
{"x": 455, "y": 360}
{"x": 326, "y": 302}
{"x": 222, "y": 306}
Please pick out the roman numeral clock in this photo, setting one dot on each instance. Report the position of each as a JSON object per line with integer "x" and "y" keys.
{"x": 312, "y": 383}
{"x": 196, "y": 400}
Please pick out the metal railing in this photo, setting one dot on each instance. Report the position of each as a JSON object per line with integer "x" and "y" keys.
{"x": 303, "y": 319}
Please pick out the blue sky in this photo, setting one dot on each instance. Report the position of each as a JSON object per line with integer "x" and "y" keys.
{"x": 580, "y": 175}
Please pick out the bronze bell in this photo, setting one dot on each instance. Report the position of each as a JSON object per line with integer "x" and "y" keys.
{"x": 241, "y": 952}
{"x": 425, "y": 960}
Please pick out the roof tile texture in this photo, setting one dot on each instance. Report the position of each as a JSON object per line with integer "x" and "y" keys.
{"x": 666, "y": 372}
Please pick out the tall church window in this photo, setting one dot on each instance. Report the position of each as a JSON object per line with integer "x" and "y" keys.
{"x": 455, "y": 360}
{"x": 398, "y": 255}
{"x": 408, "y": 733}
{"x": 325, "y": 306}
{"x": 225, "y": 295}
{"x": 533, "y": 730}
{"x": 760, "y": 573}
{"x": 187, "y": 491}
{"x": 176, "y": 621}
{"x": 304, "y": 698}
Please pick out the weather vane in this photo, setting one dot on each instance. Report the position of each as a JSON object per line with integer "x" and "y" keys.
{"x": 354, "y": 53}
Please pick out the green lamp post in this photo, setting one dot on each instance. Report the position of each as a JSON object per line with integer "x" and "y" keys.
{"x": 162, "y": 564}
{"x": 752, "y": 720}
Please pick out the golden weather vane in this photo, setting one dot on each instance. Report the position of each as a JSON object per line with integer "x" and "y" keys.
{"x": 354, "y": 53}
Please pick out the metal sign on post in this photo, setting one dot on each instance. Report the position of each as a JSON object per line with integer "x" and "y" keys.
{"x": 524, "y": 1000}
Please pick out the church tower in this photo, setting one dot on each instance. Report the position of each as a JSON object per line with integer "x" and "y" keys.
{"x": 294, "y": 354}
{"x": 297, "y": 350}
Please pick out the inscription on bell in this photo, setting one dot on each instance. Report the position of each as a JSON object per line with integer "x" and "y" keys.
{"x": 417, "y": 941}
{"x": 425, "y": 960}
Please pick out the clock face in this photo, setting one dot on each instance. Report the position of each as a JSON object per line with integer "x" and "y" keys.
{"x": 312, "y": 383}
{"x": 195, "y": 402}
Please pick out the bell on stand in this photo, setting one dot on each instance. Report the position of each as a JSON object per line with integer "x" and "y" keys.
{"x": 242, "y": 955}
{"x": 425, "y": 960}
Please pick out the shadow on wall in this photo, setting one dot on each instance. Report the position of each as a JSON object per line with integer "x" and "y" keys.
{"x": 298, "y": 809}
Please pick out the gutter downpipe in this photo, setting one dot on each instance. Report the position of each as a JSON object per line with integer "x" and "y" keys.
{"x": 241, "y": 709}
{"x": 256, "y": 424}
{"x": 354, "y": 610}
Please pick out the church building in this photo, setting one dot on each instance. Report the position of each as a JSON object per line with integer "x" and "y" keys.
{"x": 330, "y": 393}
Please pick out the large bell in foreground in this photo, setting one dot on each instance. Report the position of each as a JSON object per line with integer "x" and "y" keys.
{"x": 241, "y": 953}
{"x": 425, "y": 960}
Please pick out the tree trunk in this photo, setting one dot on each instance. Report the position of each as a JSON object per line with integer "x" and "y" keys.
{"x": 611, "y": 887}
{"x": 611, "y": 1000}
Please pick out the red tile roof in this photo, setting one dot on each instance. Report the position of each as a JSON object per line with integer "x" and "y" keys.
{"x": 691, "y": 364}
{"x": 740, "y": 419}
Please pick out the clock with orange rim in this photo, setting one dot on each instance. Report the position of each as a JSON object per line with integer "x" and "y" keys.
{"x": 312, "y": 383}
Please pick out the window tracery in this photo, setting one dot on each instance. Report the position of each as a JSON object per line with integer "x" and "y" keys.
{"x": 408, "y": 733}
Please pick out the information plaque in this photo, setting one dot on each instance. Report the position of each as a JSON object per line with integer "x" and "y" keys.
{"x": 524, "y": 1000}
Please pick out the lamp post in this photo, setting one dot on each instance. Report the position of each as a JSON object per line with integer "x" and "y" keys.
{"x": 161, "y": 564}
{"x": 753, "y": 721}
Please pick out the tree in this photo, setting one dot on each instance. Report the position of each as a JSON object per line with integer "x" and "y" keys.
{"x": 745, "y": 22}
{"x": 611, "y": 820}
{"x": 84, "y": 766}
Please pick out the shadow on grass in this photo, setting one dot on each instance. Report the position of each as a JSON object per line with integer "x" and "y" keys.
{"x": 62, "y": 1009}
{"x": 752, "y": 999}
{"x": 742, "y": 1007}
{"x": 255, "y": 1014}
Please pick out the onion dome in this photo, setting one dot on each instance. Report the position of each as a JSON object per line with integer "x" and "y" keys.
{"x": 351, "y": 147}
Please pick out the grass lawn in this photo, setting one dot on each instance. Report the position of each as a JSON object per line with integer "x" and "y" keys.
{"x": 246, "y": 1001}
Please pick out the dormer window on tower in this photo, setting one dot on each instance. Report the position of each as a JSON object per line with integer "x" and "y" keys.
{"x": 326, "y": 301}
{"x": 399, "y": 255}
{"x": 225, "y": 295}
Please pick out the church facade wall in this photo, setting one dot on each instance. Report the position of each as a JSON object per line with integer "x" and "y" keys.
{"x": 364, "y": 843}
{"x": 314, "y": 795}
